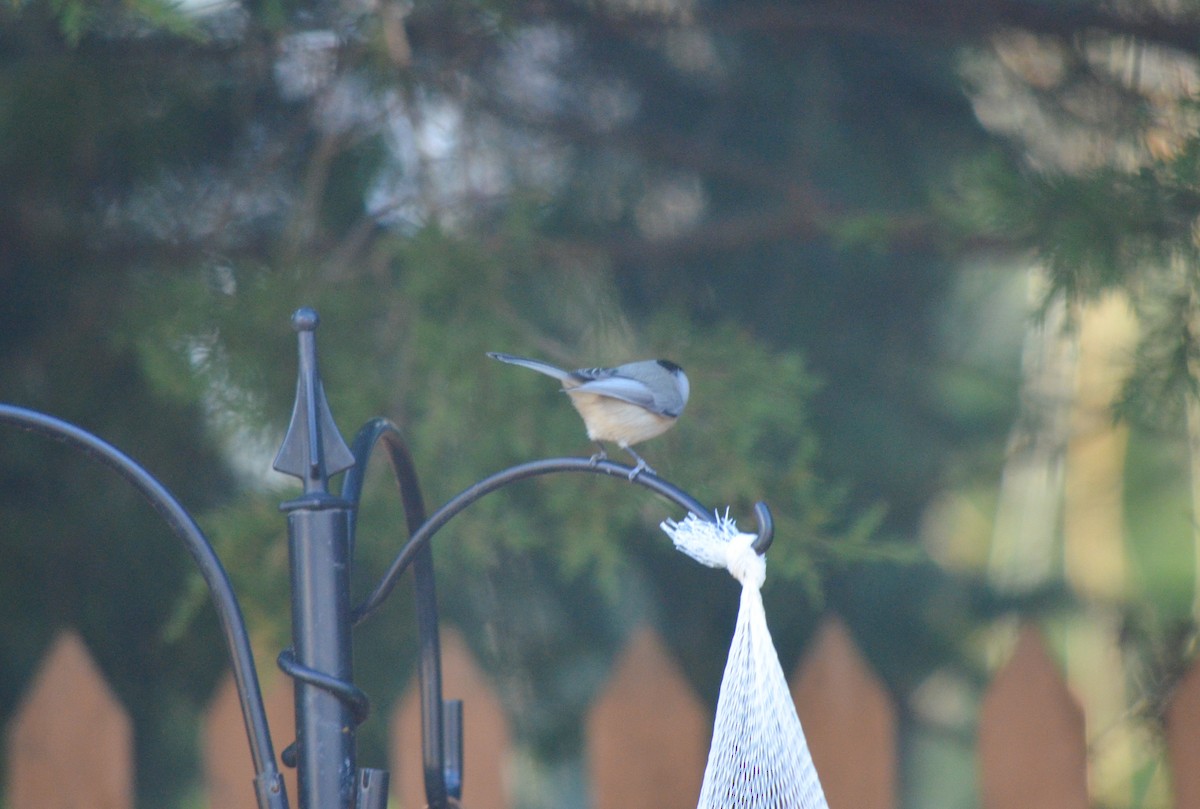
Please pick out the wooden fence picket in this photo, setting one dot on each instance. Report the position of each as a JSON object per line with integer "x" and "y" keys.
{"x": 1032, "y": 743}
{"x": 849, "y": 721}
{"x": 70, "y": 743}
{"x": 1183, "y": 740}
{"x": 486, "y": 736}
{"x": 647, "y": 733}
{"x": 228, "y": 771}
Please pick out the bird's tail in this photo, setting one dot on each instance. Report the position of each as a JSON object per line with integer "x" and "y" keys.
{"x": 536, "y": 365}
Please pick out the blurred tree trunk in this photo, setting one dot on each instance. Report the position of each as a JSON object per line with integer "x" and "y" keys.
{"x": 1026, "y": 548}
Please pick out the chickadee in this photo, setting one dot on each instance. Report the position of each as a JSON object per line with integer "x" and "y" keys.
{"x": 626, "y": 405}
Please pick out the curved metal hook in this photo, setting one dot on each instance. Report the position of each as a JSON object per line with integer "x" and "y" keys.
{"x": 268, "y": 783}
{"x": 429, "y": 670}
{"x": 766, "y": 528}
{"x": 420, "y": 538}
{"x": 371, "y": 433}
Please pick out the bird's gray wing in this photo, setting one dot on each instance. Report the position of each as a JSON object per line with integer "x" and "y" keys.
{"x": 669, "y": 404}
{"x": 620, "y": 387}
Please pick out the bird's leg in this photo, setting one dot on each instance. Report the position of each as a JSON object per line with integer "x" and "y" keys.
{"x": 600, "y": 455}
{"x": 642, "y": 466}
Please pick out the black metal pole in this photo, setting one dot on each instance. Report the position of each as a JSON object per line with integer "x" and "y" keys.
{"x": 319, "y": 548}
{"x": 325, "y": 755}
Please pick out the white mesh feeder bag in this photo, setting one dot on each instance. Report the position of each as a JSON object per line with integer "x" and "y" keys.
{"x": 759, "y": 758}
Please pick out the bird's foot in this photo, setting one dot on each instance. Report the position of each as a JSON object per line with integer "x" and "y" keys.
{"x": 641, "y": 466}
{"x": 600, "y": 455}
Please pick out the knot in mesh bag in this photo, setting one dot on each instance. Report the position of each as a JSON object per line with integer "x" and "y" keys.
{"x": 759, "y": 758}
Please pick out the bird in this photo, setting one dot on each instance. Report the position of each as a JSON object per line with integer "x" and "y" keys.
{"x": 625, "y": 405}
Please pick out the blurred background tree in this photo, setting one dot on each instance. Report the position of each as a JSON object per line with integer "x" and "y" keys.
{"x": 829, "y": 213}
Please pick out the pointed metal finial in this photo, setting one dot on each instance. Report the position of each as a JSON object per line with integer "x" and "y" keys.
{"x": 313, "y": 449}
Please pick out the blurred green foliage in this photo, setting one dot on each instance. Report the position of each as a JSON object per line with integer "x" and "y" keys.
{"x": 781, "y": 197}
